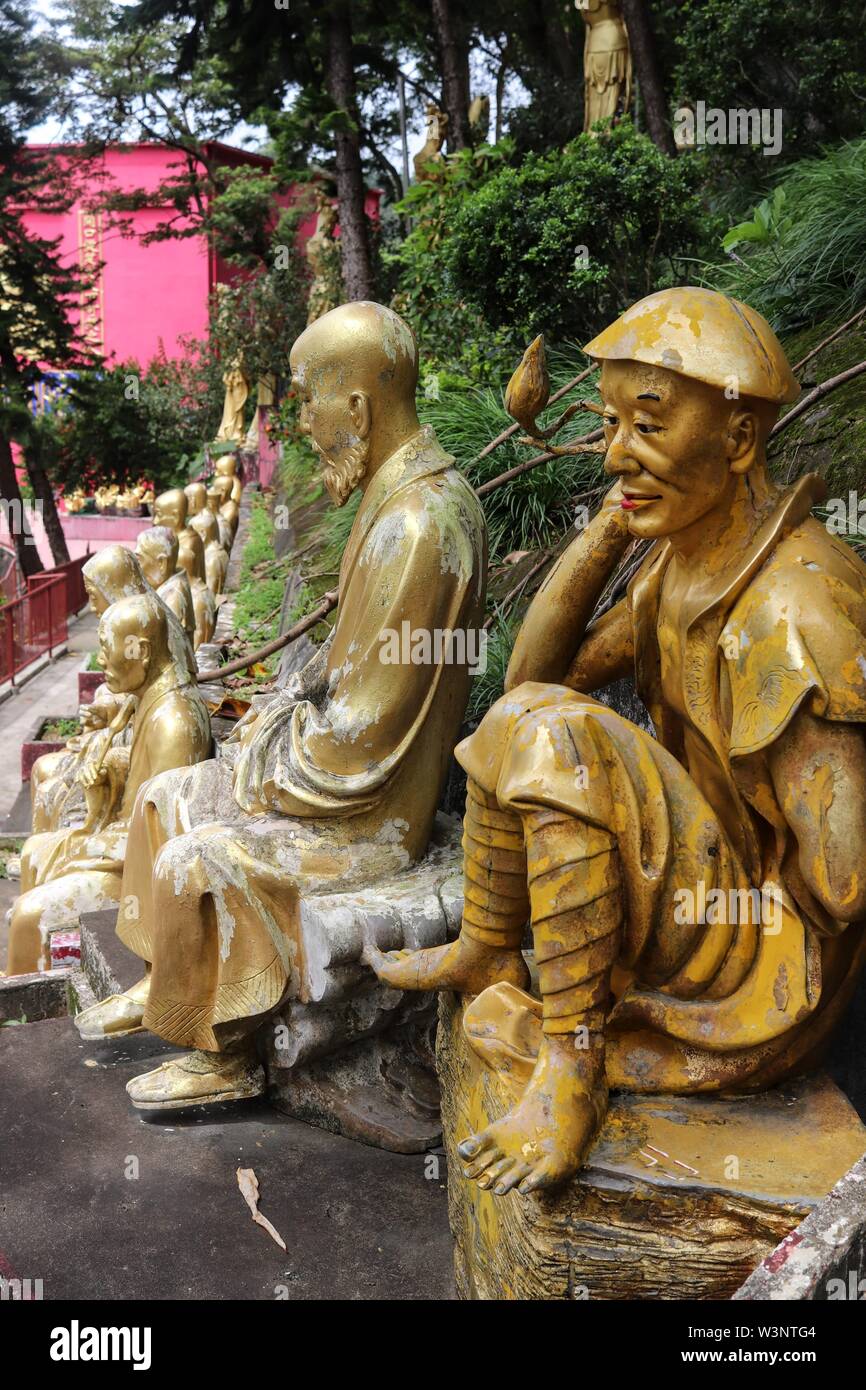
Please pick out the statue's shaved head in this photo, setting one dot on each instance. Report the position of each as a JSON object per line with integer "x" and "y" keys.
{"x": 159, "y": 541}
{"x": 171, "y": 509}
{"x": 355, "y": 371}
{"x": 111, "y": 574}
{"x": 196, "y": 496}
{"x": 362, "y": 346}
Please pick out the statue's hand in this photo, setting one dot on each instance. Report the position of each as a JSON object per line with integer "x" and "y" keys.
{"x": 92, "y": 776}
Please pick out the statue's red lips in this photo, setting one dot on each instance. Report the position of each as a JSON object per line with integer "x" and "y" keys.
{"x": 629, "y": 502}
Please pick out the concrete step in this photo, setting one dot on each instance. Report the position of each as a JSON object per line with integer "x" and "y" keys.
{"x": 100, "y": 1204}
{"x": 107, "y": 965}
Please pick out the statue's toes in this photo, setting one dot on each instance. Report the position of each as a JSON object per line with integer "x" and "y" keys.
{"x": 546, "y": 1173}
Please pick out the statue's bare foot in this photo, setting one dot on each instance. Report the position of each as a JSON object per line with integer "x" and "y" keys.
{"x": 463, "y": 965}
{"x": 543, "y": 1139}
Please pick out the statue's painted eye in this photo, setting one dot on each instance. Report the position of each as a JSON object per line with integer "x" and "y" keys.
{"x": 611, "y": 421}
{"x": 646, "y": 429}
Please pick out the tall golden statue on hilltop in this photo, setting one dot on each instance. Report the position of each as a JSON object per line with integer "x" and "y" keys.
{"x": 697, "y": 900}
{"x": 607, "y": 63}
{"x": 336, "y": 778}
{"x": 323, "y": 258}
{"x": 68, "y": 872}
{"x": 430, "y": 155}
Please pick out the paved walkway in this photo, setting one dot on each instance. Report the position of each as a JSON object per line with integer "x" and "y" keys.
{"x": 54, "y": 691}
{"x": 102, "y": 1204}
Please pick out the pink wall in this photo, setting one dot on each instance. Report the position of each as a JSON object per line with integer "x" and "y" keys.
{"x": 147, "y": 296}
{"x": 84, "y": 534}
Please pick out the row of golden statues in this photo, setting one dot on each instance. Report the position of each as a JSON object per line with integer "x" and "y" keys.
{"x": 744, "y": 629}
{"x": 82, "y": 797}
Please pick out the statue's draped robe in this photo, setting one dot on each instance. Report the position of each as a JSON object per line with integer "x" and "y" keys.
{"x": 176, "y": 594}
{"x": 336, "y": 782}
{"x": 67, "y": 872}
{"x": 727, "y": 1004}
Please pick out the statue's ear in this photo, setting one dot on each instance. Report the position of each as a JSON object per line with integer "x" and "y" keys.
{"x": 360, "y": 411}
{"x": 144, "y": 652}
{"x": 742, "y": 440}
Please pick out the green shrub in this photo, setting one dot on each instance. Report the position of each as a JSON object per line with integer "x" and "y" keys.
{"x": 567, "y": 240}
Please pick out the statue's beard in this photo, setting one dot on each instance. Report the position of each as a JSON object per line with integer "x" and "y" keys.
{"x": 342, "y": 478}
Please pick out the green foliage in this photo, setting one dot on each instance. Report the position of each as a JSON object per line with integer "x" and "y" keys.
{"x": 123, "y": 424}
{"x": 535, "y": 508}
{"x": 564, "y": 242}
{"x": 805, "y": 261}
{"x": 488, "y": 685}
{"x": 262, "y": 581}
{"x": 58, "y": 730}
{"x": 808, "y": 60}
{"x": 448, "y": 326}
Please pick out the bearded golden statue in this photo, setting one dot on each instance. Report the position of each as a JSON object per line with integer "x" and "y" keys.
{"x": 333, "y": 781}
{"x": 68, "y": 872}
{"x": 696, "y": 899}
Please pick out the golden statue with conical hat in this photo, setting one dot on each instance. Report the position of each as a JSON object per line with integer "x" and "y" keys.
{"x": 607, "y": 61}
{"x": 697, "y": 900}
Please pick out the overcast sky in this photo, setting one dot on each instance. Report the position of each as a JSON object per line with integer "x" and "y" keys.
{"x": 253, "y": 137}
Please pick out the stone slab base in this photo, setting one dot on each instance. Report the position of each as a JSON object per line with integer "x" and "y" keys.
{"x": 109, "y": 967}
{"x": 381, "y": 1090}
{"x": 681, "y": 1197}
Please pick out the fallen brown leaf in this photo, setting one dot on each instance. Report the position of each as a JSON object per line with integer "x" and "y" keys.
{"x": 249, "y": 1186}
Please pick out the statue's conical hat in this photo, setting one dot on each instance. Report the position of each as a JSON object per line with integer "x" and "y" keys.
{"x": 704, "y": 335}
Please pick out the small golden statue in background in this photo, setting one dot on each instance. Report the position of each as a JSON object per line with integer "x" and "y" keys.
{"x": 323, "y": 258}
{"x": 479, "y": 118}
{"x": 607, "y": 62}
{"x": 430, "y": 153}
{"x": 171, "y": 509}
{"x": 157, "y": 552}
{"x": 237, "y": 388}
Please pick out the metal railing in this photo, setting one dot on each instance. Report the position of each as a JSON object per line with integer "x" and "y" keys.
{"x": 34, "y": 624}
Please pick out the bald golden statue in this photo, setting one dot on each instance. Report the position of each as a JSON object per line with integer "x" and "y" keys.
{"x": 56, "y": 797}
{"x": 226, "y": 466}
{"x": 218, "y": 501}
{"x": 333, "y": 781}
{"x": 696, "y": 899}
{"x": 171, "y": 509}
{"x": 216, "y": 560}
{"x": 157, "y": 550}
{"x": 72, "y": 871}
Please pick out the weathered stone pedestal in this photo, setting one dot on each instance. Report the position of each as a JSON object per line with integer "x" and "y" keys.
{"x": 344, "y": 1051}
{"x": 682, "y": 1197}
